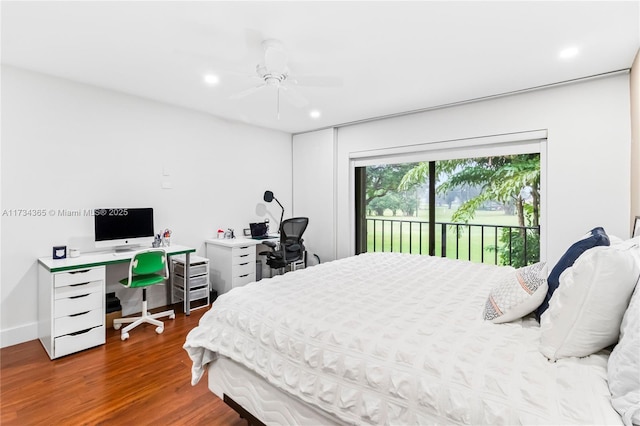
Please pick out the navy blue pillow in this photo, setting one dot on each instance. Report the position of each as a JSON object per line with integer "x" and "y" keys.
{"x": 596, "y": 238}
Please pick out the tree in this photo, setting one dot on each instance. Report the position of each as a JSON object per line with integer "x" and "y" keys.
{"x": 408, "y": 202}
{"x": 500, "y": 179}
{"x": 382, "y": 179}
{"x": 380, "y": 204}
{"x": 516, "y": 256}
{"x": 509, "y": 179}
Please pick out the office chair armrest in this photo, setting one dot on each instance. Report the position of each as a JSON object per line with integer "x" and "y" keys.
{"x": 271, "y": 244}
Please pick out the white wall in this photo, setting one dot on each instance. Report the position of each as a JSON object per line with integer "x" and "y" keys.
{"x": 588, "y": 151}
{"x": 72, "y": 146}
{"x": 635, "y": 138}
{"x": 314, "y": 190}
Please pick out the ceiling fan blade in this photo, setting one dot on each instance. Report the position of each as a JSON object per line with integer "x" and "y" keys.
{"x": 294, "y": 97}
{"x": 253, "y": 41}
{"x": 209, "y": 62}
{"x": 247, "y": 92}
{"x": 316, "y": 80}
{"x": 275, "y": 56}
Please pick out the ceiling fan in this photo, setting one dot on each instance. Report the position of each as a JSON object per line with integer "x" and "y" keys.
{"x": 274, "y": 72}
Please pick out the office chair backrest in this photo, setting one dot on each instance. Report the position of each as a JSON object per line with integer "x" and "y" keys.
{"x": 291, "y": 230}
{"x": 146, "y": 262}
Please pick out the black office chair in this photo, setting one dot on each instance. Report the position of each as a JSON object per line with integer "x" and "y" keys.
{"x": 290, "y": 252}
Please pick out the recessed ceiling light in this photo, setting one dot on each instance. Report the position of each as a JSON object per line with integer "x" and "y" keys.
{"x": 314, "y": 113}
{"x": 568, "y": 53}
{"x": 211, "y": 79}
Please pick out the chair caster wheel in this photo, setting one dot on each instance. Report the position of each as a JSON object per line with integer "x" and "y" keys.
{"x": 159, "y": 330}
{"x": 124, "y": 336}
{"x": 117, "y": 326}
{"x": 172, "y": 316}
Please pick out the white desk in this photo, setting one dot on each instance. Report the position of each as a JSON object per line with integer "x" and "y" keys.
{"x": 71, "y": 298}
{"x": 232, "y": 262}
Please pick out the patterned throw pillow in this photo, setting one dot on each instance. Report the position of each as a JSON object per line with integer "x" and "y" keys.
{"x": 517, "y": 295}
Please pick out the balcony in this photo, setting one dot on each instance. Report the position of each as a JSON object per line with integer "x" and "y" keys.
{"x": 491, "y": 244}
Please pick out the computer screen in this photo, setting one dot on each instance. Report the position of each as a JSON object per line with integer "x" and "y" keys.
{"x": 122, "y": 227}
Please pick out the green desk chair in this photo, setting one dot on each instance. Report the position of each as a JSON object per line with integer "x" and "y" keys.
{"x": 147, "y": 267}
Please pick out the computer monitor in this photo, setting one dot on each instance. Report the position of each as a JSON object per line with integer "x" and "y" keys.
{"x": 123, "y": 229}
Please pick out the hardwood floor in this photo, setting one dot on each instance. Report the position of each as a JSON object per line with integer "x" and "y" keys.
{"x": 144, "y": 380}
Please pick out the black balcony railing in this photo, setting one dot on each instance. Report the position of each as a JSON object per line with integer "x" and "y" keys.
{"x": 494, "y": 244}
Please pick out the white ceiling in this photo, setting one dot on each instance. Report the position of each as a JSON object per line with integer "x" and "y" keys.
{"x": 392, "y": 57}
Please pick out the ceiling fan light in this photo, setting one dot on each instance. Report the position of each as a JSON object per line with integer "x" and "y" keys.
{"x": 568, "y": 52}
{"x": 211, "y": 79}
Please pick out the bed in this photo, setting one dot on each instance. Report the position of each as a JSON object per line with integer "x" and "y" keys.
{"x": 388, "y": 338}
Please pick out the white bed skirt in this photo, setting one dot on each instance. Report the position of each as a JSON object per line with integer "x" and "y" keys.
{"x": 265, "y": 401}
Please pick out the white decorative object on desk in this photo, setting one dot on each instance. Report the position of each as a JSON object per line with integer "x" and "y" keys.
{"x": 166, "y": 238}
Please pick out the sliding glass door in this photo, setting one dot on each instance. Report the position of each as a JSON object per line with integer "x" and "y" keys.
{"x": 482, "y": 209}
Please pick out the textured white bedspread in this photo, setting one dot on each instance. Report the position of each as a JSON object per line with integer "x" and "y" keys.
{"x": 386, "y": 338}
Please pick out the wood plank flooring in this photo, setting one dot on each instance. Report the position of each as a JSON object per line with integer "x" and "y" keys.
{"x": 142, "y": 381}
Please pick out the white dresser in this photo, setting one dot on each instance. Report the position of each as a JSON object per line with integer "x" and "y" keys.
{"x": 71, "y": 309}
{"x": 71, "y": 298}
{"x": 232, "y": 262}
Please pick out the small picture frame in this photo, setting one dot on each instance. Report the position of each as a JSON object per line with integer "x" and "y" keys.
{"x": 636, "y": 227}
{"x": 59, "y": 252}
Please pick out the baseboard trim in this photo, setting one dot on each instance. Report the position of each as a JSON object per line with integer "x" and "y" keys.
{"x": 17, "y": 335}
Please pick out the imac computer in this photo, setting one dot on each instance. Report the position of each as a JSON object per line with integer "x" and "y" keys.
{"x": 123, "y": 229}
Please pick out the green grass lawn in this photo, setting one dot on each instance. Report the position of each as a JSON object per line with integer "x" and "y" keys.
{"x": 469, "y": 243}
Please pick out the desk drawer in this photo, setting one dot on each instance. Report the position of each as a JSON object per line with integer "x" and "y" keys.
{"x": 78, "y": 322}
{"x": 76, "y": 277}
{"x": 243, "y": 269}
{"x": 194, "y": 269}
{"x": 202, "y": 280}
{"x": 197, "y": 294}
{"x": 243, "y": 251}
{"x": 246, "y": 258}
{"x": 243, "y": 279}
{"x": 78, "y": 304}
{"x": 79, "y": 289}
{"x": 85, "y": 339}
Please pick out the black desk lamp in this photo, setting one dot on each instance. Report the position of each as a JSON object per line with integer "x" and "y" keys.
{"x": 268, "y": 197}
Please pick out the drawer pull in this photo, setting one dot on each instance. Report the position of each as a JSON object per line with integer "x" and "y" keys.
{"x": 80, "y": 332}
{"x": 245, "y": 247}
{"x": 243, "y": 255}
{"x": 242, "y": 264}
{"x": 79, "y": 284}
{"x": 84, "y": 271}
{"x": 81, "y": 313}
{"x": 79, "y": 296}
{"x": 245, "y": 275}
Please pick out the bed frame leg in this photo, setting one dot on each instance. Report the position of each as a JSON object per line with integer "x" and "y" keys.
{"x": 244, "y": 414}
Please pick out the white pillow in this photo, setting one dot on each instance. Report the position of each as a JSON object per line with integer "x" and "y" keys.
{"x": 518, "y": 294}
{"x": 624, "y": 244}
{"x": 586, "y": 310}
{"x": 623, "y": 370}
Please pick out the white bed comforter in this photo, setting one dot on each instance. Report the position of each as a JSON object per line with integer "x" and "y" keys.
{"x": 388, "y": 338}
